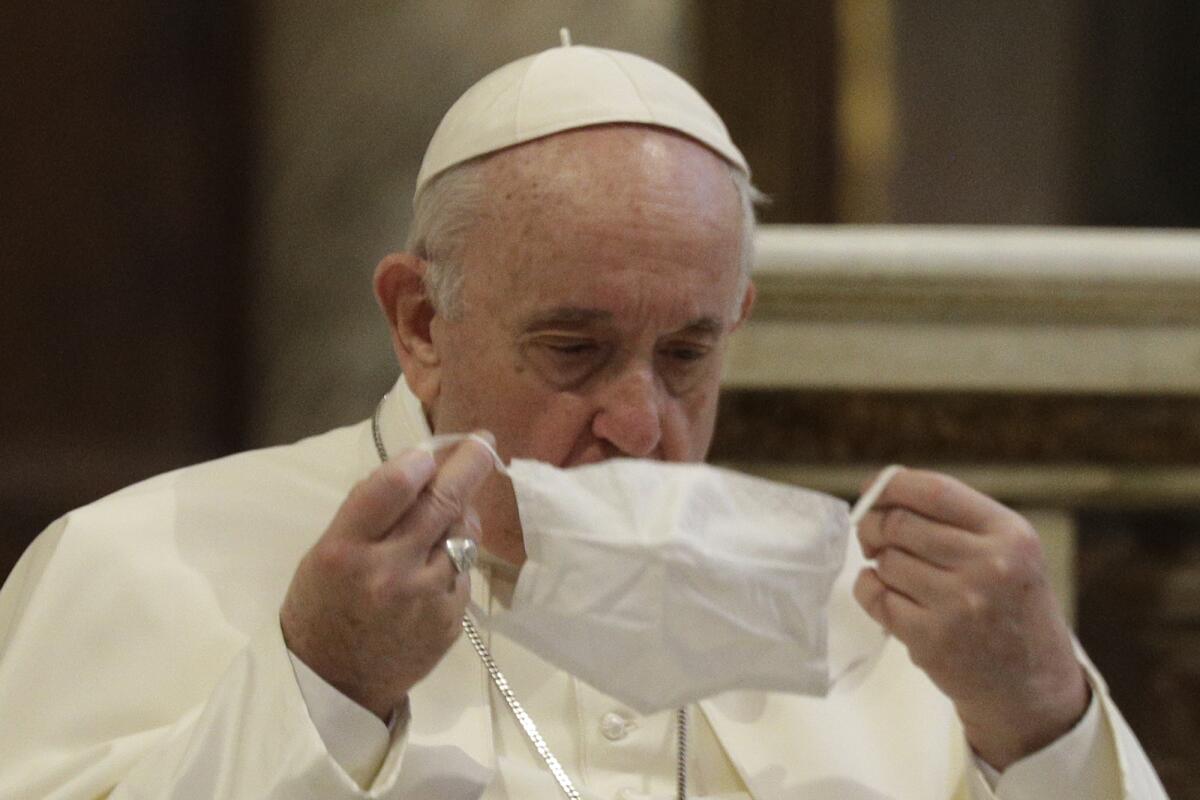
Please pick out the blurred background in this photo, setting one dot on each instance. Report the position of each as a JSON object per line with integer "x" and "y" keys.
{"x": 194, "y": 196}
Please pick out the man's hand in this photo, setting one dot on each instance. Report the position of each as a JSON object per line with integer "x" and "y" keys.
{"x": 376, "y": 603}
{"x": 960, "y": 580}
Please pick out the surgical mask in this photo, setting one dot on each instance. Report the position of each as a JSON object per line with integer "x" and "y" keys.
{"x": 661, "y": 584}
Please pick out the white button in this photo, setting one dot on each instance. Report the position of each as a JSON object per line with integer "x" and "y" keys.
{"x": 613, "y": 726}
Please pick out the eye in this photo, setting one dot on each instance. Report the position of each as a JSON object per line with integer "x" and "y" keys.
{"x": 570, "y": 347}
{"x": 685, "y": 365}
{"x": 684, "y": 353}
{"x": 564, "y": 361}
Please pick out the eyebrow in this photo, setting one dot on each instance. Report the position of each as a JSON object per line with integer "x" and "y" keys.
{"x": 581, "y": 317}
{"x": 566, "y": 316}
{"x": 703, "y": 325}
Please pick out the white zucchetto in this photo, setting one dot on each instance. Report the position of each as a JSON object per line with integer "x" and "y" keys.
{"x": 570, "y": 87}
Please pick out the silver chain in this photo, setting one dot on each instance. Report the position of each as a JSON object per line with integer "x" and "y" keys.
{"x": 514, "y": 705}
{"x": 501, "y": 684}
{"x": 681, "y": 772}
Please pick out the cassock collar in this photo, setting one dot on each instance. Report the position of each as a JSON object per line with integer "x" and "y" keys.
{"x": 402, "y": 421}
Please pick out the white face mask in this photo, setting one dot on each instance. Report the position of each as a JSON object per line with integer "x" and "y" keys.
{"x": 662, "y": 583}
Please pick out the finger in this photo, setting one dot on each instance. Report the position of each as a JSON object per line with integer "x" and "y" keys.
{"x": 871, "y": 492}
{"x": 438, "y": 569}
{"x": 926, "y": 585}
{"x": 438, "y": 572}
{"x": 442, "y": 575}
{"x": 468, "y": 527}
{"x": 376, "y": 503}
{"x": 897, "y": 614}
{"x": 446, "y": 499}
{"x": 460, "y": 588}
{"x": 942, "y": 545}
{"x": 943, "y": 499}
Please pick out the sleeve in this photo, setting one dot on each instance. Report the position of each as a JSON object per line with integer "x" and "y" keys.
{"x": 1099, "y": 757}
{"x": 120, "y": 678}
{"x": 356, "y": 738}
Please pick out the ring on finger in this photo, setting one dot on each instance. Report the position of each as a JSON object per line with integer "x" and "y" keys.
{"x": 462, "y": 552}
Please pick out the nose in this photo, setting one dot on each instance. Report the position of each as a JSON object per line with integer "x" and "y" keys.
{"x": 630, "y": 413}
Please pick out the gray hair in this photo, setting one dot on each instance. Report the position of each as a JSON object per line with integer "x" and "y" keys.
{"x": 450, "y": 205}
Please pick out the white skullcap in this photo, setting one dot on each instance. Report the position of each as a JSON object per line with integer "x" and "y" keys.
{"x": 565, "y": 88}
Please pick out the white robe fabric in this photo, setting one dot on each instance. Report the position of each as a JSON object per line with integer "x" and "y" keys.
{"x": 141, "y": 657}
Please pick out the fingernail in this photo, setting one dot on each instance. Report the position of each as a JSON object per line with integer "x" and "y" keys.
{"x": 488, "y": 436}
{"x": 417, "y": 465}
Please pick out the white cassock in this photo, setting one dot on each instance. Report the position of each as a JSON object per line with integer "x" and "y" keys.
{"x": 141, "y": 657}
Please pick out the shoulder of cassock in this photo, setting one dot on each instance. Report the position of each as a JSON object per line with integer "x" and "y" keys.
{"x": 121, "y": 617}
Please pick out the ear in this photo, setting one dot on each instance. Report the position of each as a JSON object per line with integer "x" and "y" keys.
{"x": 747, "y": 305}
{"x": 400, "y": 290}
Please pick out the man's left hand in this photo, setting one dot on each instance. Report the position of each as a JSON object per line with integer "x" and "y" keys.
{"x": 960, "y": 579}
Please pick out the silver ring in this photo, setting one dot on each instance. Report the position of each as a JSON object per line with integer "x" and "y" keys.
{"x": 462, "y": 552}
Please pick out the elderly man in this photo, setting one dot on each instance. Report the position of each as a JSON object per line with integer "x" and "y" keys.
{"x": 286, "y": 623}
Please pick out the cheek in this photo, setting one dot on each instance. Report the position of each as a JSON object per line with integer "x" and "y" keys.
{"x": 470, "y": 373}
{"x": 696, "y": 420}
{"x": 528, "y": 419}
{"x": 551, "y": 426}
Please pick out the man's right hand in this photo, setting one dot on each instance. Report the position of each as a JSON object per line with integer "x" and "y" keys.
{"x": 376, "y": 603}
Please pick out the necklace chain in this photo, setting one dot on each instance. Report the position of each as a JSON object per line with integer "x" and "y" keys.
{"x": 514, "y": 705}
{"x": 510, "y": 699}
